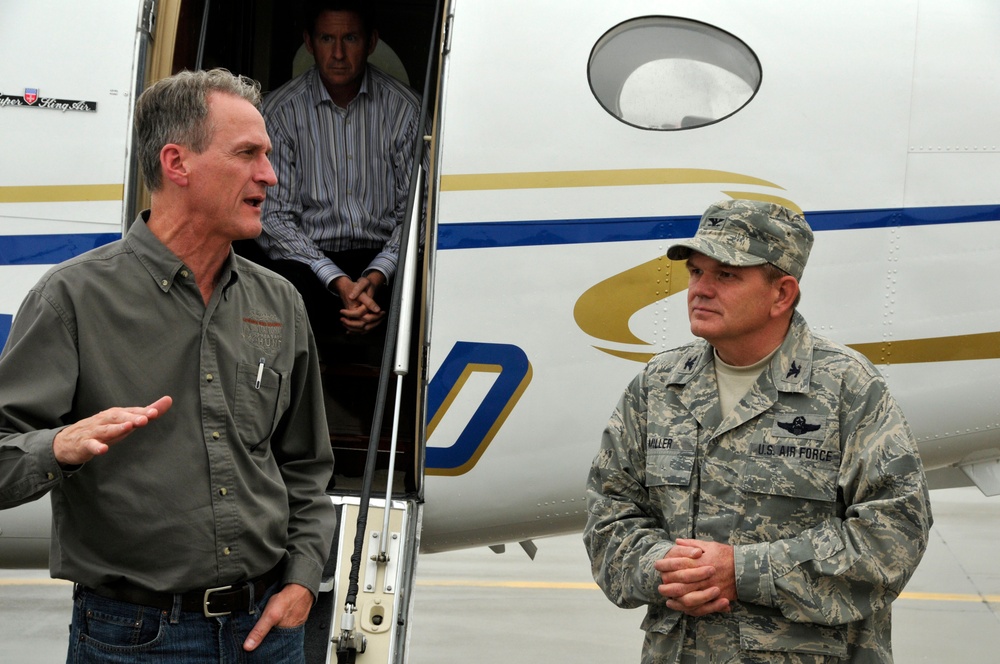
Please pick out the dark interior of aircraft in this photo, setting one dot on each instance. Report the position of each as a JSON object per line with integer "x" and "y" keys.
{"x": 262, "y": 39}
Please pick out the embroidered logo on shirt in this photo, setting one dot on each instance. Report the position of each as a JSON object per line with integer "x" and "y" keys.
{"x": 794, "y": 371}
{"x": 801, "y": 426}
{"x": 263, "y": 330}
{"x": 798, "y": 426}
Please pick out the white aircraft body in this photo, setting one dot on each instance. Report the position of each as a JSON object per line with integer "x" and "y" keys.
{"x": 572, "y": 143}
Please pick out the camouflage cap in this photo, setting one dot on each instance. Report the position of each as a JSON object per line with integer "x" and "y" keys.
{"x": 744, "y": 233}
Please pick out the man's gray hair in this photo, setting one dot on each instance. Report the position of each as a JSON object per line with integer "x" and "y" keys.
{"x": 175, "y": 110}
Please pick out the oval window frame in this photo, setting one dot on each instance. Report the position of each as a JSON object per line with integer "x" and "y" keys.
{"x": 615, "y": 58}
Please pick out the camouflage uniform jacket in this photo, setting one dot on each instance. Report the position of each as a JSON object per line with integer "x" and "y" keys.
{"x": 814, "y": 479}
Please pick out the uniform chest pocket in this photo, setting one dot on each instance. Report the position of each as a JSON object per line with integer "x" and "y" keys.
{"x": 257, "y": 406}
{"x": 669, "y": 468}
{"x": 795, "y": 456}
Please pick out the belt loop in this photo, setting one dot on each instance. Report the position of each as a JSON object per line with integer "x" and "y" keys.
{"x": 252, "y": 608}
{"x": 176, "y": 609}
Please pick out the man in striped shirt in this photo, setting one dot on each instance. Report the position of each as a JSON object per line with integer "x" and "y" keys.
{"x": 343, "y": 135}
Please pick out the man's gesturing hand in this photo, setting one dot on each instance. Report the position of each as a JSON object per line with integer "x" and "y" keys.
{"x": 93, "y": 436}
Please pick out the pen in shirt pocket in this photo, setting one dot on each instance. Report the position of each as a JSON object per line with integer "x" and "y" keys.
{"x": 260, "y": 374}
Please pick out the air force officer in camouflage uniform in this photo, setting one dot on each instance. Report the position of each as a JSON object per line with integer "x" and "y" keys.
{"x": 758, "y": 490}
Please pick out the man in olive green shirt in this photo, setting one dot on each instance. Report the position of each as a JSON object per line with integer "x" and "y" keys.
{"x": 204, "y": 513}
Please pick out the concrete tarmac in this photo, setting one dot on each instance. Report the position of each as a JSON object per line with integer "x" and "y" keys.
{"x": 478, "y": 606}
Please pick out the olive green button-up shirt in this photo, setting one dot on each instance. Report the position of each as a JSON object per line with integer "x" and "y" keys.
{"x": 221, "y": 488}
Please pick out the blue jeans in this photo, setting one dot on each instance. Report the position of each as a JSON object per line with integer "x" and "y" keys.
{"x": 107, "y": 631}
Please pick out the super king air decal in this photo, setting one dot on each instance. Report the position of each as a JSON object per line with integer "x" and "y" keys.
{"x": 32, "y": 99}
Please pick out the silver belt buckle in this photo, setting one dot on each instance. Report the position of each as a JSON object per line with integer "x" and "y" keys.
{"x": 207, "y": 599}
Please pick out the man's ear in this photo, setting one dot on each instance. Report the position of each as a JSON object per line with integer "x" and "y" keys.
{"x": 173, "y": 164}
{"x": 372, "y": 42}
{"x": 786, "y": 292}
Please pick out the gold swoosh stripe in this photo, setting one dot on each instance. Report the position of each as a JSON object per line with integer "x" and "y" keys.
{"x": 604, "y": 310}
{"x": 984, "y": 346}
{"x": 604, "y": 178}
{"x": 62, "y": 193}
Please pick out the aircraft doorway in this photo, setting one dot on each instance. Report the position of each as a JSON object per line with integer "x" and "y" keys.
{"x": 262, "y": 39}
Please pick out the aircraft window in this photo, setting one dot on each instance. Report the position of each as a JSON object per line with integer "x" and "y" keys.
{"x": 660, "y": 72}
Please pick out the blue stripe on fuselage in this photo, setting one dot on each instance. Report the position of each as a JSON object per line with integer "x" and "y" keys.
{"x": 45, "y": 250}
{"x": 49, "y": 249}
{"x": 5, "y": 321}
{"x": 52, "y": 249}
{"x": 476, "y": 235}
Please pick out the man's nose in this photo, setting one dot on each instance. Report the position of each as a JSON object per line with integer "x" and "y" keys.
{"x": 699, "y": 288}
{"x": 266, "y": 173}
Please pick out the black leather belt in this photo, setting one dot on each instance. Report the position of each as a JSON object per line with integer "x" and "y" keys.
{"x": 212, "y": 602}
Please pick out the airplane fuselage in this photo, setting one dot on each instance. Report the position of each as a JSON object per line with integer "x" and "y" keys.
{"x": 569, "y": 149}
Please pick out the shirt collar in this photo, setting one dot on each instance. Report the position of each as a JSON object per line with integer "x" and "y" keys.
{"x": 161, "y": 263}
{"x": 790, "y": 367}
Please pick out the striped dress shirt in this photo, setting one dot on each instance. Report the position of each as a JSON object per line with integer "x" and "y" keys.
{"x": 343, "y": 174}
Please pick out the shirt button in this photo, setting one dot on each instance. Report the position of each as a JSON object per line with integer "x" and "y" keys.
{"x": 184, "y": 273}
{"x": 209, "y": 377}
{"x": 223, "y": 492}
{"x": 216, "y": 435}
{"x": 50, "y": 476}
{"x": 164, "y": 283}
{"x": 226, "y": 551}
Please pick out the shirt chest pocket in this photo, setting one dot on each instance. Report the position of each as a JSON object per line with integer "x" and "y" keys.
{"x": 669, "y": 468}
{"x": 790, "y": 478}
{"x": 797, "y": 456}
{"x": 668, "y": 484}
{"x": 670, "y": 457}
{"x": 259, "y": 402}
